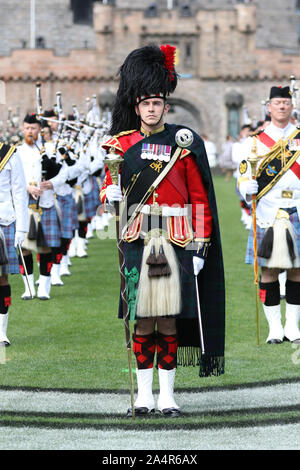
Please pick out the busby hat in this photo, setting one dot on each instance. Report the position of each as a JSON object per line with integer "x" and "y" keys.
{"x": 147, "y": 72}
{"x": 280, "y": 92}
{"x": 31, "y": 119}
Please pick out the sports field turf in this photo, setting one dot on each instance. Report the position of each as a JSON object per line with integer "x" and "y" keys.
{"x": 71, "y": 350}
{"x": 76, "y": 341}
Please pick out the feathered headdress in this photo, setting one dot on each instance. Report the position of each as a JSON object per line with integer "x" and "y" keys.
{"x": 146, "y": 72}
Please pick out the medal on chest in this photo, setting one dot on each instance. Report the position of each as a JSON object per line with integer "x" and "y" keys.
{"x": 155, "y": 152}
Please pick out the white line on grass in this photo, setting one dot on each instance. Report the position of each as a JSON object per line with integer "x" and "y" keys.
{"x": 262, "y": 438}
{"x": 103, "y": 403}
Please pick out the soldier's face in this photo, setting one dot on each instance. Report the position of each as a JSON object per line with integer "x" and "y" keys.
{"x": 152, "y": 112}
{"x": 47, "y": 134}
{"x": 280, "y": 109}
{"x": 53, "y": 124}
{"x": 30, "y": 132}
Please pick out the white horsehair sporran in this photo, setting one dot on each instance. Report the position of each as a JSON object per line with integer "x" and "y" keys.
{"x": 159, "y": 294}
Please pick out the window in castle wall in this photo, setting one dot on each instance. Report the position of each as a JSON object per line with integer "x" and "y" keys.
{"x": 188, "y": 55}
{"x": 82, "y": 11}
{"x": 233, "y": 122}
{"x": 298, "y": 6}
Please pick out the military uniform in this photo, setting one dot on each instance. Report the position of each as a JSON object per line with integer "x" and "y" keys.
{"x": 42, "y": 214}
{"x": 277, "y": 216}
{"x": 174, "y": 221}
{"x": 13, "y": 220}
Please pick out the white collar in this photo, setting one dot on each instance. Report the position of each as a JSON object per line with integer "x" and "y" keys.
{"x": 277, "y": 132}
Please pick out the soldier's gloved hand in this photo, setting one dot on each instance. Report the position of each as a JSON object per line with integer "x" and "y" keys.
{"x": 113, "y": 193}
{"x": 252, "y": 187}
{"x": 198, "y": 264}
{"x": 19, "y": 238}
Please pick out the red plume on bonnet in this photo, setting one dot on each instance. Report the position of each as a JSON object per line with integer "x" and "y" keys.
{"x": 146, "y": 71}
{"x": 169, "y": 52}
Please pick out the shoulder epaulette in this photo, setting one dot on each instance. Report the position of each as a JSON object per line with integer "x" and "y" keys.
{"x": 184, "y": 153}
{"x": 124, "y": 133}
{"x": 6, "y": 151}
{"x": 114, "y": 141}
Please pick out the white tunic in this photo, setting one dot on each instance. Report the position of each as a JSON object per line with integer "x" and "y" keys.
{"x": 269, "y": 204}
{"x": 13, "y": 194}
{"x": 32, "y": 164}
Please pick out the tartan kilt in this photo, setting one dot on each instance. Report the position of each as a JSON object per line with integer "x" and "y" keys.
{"x": 95, "y": 191}
{"x": 69, "y": 217}
{"x": 249, "y": 259}
{"x": 51, "y": 228}
{"x": 90, "y": 205}
{"x": 13, "y": 263}
{"x": 133, "y": 253}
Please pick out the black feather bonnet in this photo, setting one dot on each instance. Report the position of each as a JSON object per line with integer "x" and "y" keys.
{"x": 146, "y": 72}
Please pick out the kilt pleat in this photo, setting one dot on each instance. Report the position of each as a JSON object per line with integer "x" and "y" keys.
{"x": 69, "y": 217}
{"x": 51, "y": 228}
{"x": 96, "y": 191}
{"x": 90, "y": 207}
{"x": 13, "y": 263}
{"x": 91, "y": 200}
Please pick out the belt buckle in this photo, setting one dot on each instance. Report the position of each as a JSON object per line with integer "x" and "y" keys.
{"x": 287, "y": 194}
{"x": 155, "y": 209}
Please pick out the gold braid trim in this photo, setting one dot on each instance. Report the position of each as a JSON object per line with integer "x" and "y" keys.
{"x": 274, "y": 152}
{"x": 276, "y": 178}
{"x": 124, "y": 133}
{"x": 7, "y": 156}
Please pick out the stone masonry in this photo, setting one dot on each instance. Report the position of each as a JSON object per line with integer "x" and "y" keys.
{"x": 225, "y": 47}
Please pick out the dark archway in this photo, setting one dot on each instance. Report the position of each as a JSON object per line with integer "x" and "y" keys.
{"x": 184, "y": 113}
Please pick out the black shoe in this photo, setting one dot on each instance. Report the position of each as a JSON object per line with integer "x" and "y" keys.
{"x": 4, "y": 344}
{"x": 141, "y": 411}
{"x": 295, "y": 341}
{"x": 171, "y": 412}
{"x": 274, "y": 341}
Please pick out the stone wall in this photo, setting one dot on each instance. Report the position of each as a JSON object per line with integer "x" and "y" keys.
{"x": 225, "y": 47}
{"x": 54, "y": 22}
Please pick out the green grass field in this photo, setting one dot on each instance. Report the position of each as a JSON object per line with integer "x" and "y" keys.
{"x": 76, "y": 341}
{"x": 64, "y": 380}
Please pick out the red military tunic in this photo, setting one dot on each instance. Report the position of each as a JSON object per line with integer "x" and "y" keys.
{"x": 183, "y": 185}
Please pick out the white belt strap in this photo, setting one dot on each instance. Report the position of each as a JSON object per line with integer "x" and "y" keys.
{"x": 165, "y": 211}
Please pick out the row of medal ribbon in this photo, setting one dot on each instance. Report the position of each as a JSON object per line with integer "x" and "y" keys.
{"x": 156, "y": 152}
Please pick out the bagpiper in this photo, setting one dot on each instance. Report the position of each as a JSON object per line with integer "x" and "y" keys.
{"x": 44, "y": 229}
{"x": 13, "y": 226}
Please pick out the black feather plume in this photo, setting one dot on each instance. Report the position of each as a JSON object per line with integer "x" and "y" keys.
{"x": 40, "y": 238}
{"x": 32, "y": 233}
{"x": 290, "y": 244}
{"x": 143, "y": 72}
